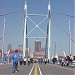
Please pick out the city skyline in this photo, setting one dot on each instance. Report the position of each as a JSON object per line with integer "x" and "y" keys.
{"x": 59, "y": 23}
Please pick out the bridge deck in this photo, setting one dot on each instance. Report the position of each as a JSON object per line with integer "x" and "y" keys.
{"x": 37, "y": 69}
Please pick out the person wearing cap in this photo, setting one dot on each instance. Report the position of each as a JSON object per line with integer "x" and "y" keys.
{"x": 15, "y": 58}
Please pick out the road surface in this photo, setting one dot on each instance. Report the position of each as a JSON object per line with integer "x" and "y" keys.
{"x": 37, "y": 69}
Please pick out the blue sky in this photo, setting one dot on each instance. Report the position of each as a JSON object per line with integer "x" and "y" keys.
{"x": 59, "y": 23}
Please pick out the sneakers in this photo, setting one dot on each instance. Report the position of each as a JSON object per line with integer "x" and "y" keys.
{"x": 15, "y": 71}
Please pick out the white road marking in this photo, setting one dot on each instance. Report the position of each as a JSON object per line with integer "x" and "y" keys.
{"x": 31, "y": 70}
{"x": 39, "y": 70}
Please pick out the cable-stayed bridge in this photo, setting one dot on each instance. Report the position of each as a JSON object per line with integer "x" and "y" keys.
{"x": 45, "y": 33}
{"x": 24, "y": 28}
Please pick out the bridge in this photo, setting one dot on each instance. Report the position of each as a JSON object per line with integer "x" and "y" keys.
{"x": 27, "y": 32}
{"x": 38, "y": 26}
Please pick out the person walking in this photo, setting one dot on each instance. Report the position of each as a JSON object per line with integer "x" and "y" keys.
{"x": 15, "y": 58}
{"x": 45, "y": 61}
{"x": 21, "y": 60}
{"x": 28, "y": 60}
{"x": 25, "y": 59}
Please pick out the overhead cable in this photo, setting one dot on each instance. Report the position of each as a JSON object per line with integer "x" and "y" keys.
{"x": 64, "y": 14}
{"x": 11, "y": 13}
{"x": 38, "y": 14}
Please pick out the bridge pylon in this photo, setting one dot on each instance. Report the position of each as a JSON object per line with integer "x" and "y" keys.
{"x": 47, "y": 35}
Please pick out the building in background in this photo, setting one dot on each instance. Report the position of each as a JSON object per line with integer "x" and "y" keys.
{"x": 39, "y": 55}
{"x": 37, "y": 45}
{"x": 27, "y": 52}
{"x": 38, "y": 52}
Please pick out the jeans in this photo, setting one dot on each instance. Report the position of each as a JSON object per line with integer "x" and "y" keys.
{"x": 15, "y": 66}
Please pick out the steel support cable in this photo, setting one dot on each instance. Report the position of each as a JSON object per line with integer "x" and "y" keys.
{"x": 69, "y": 36}
{"x": 42, "y": 20}
{"x": 37, "y": 14}
{"x": 21, "y": 31}
{"x": 4, "y": 34}
{"x": 42, "y": 31}
{"x": 61, "y": 44}
{"x": 11, "y": 13}
{"x": 31, "y": 31}
{"x": 10, "y": 28}
{"x": 19, "y": 27}
{"x": 64, "y": 14}
{"x": 58, "y": 36}
{"x": 37, "y": 25}
{"x": 33, "y": 23}
{"x": 15, "y": 34}
{"x": 40, "y": 23}
{"x": 65, "y": 31}
{"x": 23, "y": 10}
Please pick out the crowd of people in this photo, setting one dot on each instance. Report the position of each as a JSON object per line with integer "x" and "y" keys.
{"x": 17, "y": 59}
{"x": 65, "y": 61}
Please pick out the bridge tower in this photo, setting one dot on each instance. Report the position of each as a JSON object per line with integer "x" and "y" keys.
{"x": 49, "y": 30}
{"x": 48, "y": 35}
{"x": 25, "y": 28}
